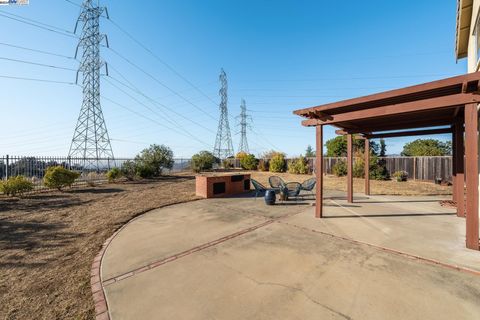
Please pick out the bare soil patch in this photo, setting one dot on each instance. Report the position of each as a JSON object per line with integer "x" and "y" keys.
{"x": 48, "y": 242}
{"x": 391, "y": 187}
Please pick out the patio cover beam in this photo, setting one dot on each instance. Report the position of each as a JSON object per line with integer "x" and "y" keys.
{"x": 350, "y": 168}
{"x": 319, "y": 171}
{"x": 459, "y": 167}
{"x": 367, "y": 167}
{"x": 409, "y": 133}
{"x": 471, "y": 152}
{"x": 401, "y": 108}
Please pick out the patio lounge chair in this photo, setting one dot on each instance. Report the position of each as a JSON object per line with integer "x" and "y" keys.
{"x": 259, "y": 188}
{"x": 291, "y": 189}
{"x": 276, "y": 183}
{"x": 308, "y": 185}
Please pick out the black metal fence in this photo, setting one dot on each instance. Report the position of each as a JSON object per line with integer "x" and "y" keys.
{"x": 34, "y": 168}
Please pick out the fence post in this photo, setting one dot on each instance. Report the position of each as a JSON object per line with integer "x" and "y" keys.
{"x": 7, "y": 169}
{"x": 69, "y": 163}
{"x": 414, "y": 168}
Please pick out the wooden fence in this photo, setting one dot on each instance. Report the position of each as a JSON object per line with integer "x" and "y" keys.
{"x": 418, "y": 168}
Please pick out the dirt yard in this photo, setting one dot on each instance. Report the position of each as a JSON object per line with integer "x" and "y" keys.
{"x": 48, "y": 242}
{"x": 391, "y": 187}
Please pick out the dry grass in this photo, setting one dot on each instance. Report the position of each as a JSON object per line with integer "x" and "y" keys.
{"x": 376, "y": 187}
{"x": 48, "y": 242}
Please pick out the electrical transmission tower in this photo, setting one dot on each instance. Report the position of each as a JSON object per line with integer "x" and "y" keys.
{"x": 90, "y": 140}
{"x": 244, "y": 123}
{"x": 223, "y": 143}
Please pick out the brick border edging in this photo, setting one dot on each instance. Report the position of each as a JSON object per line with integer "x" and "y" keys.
{"x": 98, "y": 292}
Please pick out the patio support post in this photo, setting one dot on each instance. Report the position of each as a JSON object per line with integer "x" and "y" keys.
{"x": 471, "y": 152}
{"x": 319, "y": 171}
{"x": 367, "y": 167}
{"x": 349, "y": 168}
{"x": 454, "y": 163}
{"x": 459, "y": 186}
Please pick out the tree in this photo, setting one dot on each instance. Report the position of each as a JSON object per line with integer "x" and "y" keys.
{"x": 427, "y": 147}
{"x": 383, "y": 148}
{"x": 337, "y": 147}
{"x": 152, "y": 161}
{"x": 203, "y": 160}
{"x": 309, "y": 153}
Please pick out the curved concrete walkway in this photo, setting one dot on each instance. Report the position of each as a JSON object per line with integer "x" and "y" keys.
{"x": 236, "y": 258}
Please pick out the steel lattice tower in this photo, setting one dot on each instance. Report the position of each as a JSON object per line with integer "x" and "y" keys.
{"x": 90, "y": 140}
{"x": 243, "y": 147}
{"x": 223, "y": 143}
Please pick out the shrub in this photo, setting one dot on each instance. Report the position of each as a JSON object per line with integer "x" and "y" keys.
{"x": 263, "y": 165}
{"x": 400, "y": 176}
{"x": 58, "y": 177}
{"x": 145, "y": 171}
{"x": 249, "y": 162}
{"x": 298, "y": 166}
{"x": 151, "y": 161}
{"x": 241, "y": 155}
{"x": 340, "y": 168}
{"x": 277, "y": 163}
{"x": 113, "y": 174}
{"x": 202, "y": 161}
{"x": 378, "y": 169}
{"x": 129, "y": 170}
{"x": 359, "y": 168}
{"x": 16, "y": 185}
{"x": 227, "y": 163}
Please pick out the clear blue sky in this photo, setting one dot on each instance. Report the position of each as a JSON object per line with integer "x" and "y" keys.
{"x": 279, "y": 56}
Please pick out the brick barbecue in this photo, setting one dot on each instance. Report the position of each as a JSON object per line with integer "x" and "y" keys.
{"x": 220, "y": 185}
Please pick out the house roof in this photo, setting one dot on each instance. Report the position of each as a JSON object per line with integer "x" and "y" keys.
{"x": 464, "y": 18}
{"x": 431, "y": 104}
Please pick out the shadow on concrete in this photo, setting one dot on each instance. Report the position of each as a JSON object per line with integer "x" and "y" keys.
{"x": 388, "y": 215}
{"x": 401, "y": 201}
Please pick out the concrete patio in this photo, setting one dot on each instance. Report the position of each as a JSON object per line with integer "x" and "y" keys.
{"x": 236, "y": 258}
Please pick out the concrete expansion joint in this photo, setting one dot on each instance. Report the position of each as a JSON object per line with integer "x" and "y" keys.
{"x": 391, "y": 251}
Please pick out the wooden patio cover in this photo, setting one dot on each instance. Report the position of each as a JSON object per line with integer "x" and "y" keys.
{"x": 442, "y": 106}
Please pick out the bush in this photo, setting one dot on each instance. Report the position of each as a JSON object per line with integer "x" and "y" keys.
{"x": 298, "y": 166}
{"x": 263, "y": 165}
{"x": 58, "y": 177}
{"x": 16, "y": 185}
{"x": 227, "y": 163}
{"x": 249, "y": 162}
{"x": 359, "y": 168}
{"x": 129, "y": 170}
{"x": 202, "y": 161}
{"x": 400, "y": 176}
{"x": 113, "y": 174}
{"x": 277, "y": 163}
{"x": 340, "y": 168}
{"x": 145, "y": 171}
{"x": 378, "y": 169}
{"x": 151, "y": 161}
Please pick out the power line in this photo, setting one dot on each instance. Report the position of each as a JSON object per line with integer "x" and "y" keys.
{"x": 38, "y": 51}
{"x": 138, "y": 91}
{"x": 161, "y": 83}
{"x": 37, "y": 24}
{"x": 160, "y": 60}
{"x": 38, "y": 80}
{"x": 145, "y": 117}
{"x": 36, "y": 64}
{"x": 171, "y": 121}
